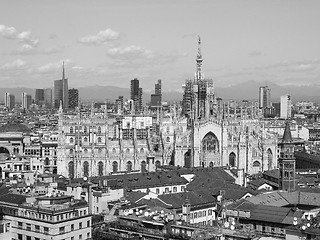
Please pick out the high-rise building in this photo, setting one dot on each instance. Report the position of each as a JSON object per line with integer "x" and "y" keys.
{"x": 61, "y": 92}
{"x": 287, "y": 162}
{"x": 156, "y": 98}
{"x": 39, "y": 97}
{"x": 10, "y": 100}
{"x": 26, "y": 101}
{"x": 136, "y": 95}
{"x": 48, "y": 97}
{"x": 119, "y": 105}
{"x": 6, "y": 99}
{"x": 264, "y": 97}
{"x": 285, "y": 106}
{"x": 73, "y": 98}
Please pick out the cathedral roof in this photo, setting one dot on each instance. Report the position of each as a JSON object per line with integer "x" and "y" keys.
{"x": 15, "y": 127}
{"x": 287, "y": 138}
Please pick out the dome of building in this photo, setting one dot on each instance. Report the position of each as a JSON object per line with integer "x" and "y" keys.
{"x": 15, "y": 127}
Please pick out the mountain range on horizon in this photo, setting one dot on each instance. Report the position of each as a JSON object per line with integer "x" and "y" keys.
{"x": 243, "y": 91}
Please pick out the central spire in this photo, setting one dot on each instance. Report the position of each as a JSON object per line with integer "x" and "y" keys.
{"x": 198, "y": 74}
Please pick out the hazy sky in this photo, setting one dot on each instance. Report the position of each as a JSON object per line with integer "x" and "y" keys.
{"x": 110, "y": 42}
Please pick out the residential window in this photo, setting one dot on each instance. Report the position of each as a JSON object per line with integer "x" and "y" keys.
{"x": 88, "y": 235}
{"x": 46, "y": 229}
{"x": 80, "y": 225}
{"x": 200, "y": 214}
{"x": 62, "y": 230}
{"x": 19, "y": 224}
{"x": 72, "y": 238}
{"x": 37, "y": 228}
{"x": 72, "y": 227}
{"x": 88, "y": 223}
{"x": 166, "y": 190}
{"x": 195, "y": 215}
{"x": 204, "y": 213}
{"x": 182, "y": 188}
{"x": 19, "y": 236}
{"x": 174, "y": 189}
{"x": 80, "y": 237}
{"x": 28, "y": 226}
{"x": 157, "y": 191}
{"x": 209, "y": 212}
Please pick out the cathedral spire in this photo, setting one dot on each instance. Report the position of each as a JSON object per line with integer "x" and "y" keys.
{"x": 199, "y": 62}
{"x": 287, "y": 138}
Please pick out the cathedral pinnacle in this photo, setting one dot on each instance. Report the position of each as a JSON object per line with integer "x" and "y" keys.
{"x": 198, "y": 74}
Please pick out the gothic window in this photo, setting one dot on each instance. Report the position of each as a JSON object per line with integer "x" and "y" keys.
{"x": 114, "y": 150}
{"x": 71, "y": 170}
{"x": 168, "y": 129}
{"x": 85, "y": 129}
{"x": 99, "y": 139}
{"x": 85, "y": 150}
{"x": 85, "y": 169}
{"x": 99, "y": 129}
{"x": 100, "y": 168}
{"x": 210, "y": 143}
{"x": 141, "y": 150}
{"x": 71, "y": 129}
{"x": 129, "y": 166}
{"x": 115, "y": 167}
{"x": 71, "y": 140}
{"x": 232, "y": 159}
{"x": 85, "y": 139}
{"x": 211, "y": 164}
{"x": 143, "y": 166}
{"x": 168, "y": 139}
{"x": 71, "y": 151}
{"x": 127, "y": 150}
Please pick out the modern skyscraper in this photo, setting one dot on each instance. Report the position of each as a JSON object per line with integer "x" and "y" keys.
{"x": 285, "y": 106}
{"x": 39, "y": 97}
{"x": 26, "y": 101}
{"x": 6, "y": 99}
{"x": 61, "y": 92}
{"x": 136, "y": 95}
{"x": 264, "y": 97}
{"x": 73, "y": 98}
{"x": 156, "y": 98}
{"x": 48, "y": 97}
{"x": 10, "y": 100}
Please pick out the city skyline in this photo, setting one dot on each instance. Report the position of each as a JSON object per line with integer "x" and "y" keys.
{"x": 118, "y": 41}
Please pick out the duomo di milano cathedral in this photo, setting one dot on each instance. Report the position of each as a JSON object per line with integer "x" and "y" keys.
{"x": 203, "y": 132}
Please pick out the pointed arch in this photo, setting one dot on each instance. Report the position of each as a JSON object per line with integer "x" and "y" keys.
{"x": 187, "y": 159}
{"x": 129, "y": 166}
{"x": 86, "y": 169}
{"x": 210, "y": 143}
{"x": 100, "y": 168}
{"x": 270, "y": 158}
{"x": 71, "y": 169}
{"x": 232, "y": 159}
{"x": 115, "y": 167}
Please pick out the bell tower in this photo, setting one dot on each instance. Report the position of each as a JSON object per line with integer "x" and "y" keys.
{"x": 287, "y": 162}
